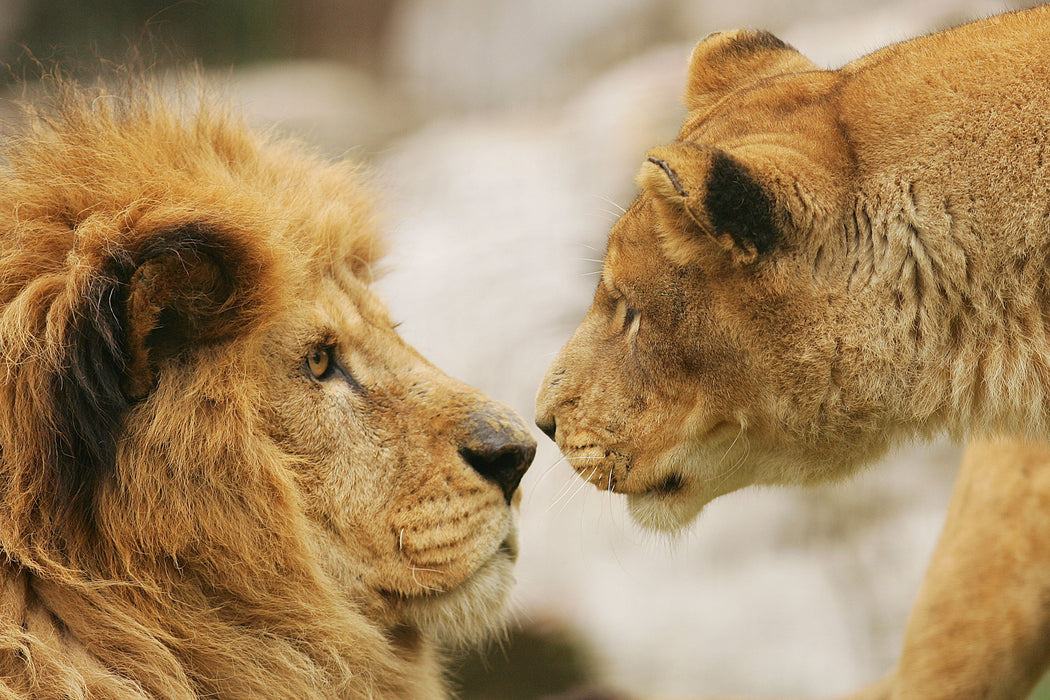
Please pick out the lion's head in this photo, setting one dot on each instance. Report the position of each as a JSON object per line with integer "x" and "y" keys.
{"x": 224, "y": 473}
{"x": 810, "y": 273}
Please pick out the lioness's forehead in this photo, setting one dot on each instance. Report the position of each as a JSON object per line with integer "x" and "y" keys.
{"x": 630, "y": 236}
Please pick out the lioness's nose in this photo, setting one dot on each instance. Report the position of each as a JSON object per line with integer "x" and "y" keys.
{"x": 547, "y": 424}
{"x": 500, "y": 449}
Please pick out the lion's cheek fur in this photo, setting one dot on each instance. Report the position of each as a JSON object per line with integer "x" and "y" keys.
{"x": 427, "y": 543}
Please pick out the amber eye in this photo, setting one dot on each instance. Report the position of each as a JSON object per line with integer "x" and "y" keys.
{"x": 320, "y": 362}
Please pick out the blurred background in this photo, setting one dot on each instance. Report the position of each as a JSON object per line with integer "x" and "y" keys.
{"x": 505, "y": 135}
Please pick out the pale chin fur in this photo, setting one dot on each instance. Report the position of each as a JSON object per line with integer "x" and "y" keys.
{"x": 472, "y": 610}
{"x": 664, "y": 513}
{"x": 672, "y": 512}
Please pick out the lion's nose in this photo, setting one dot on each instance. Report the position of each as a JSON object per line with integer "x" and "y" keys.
{"x": 499, "y": 449}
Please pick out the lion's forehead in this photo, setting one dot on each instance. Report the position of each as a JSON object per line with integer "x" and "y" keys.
{"x": 350, "y": 301}
{"x": 634, "y": 249}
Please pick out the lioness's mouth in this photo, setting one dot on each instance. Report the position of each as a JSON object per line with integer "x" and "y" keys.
{"x": 672, "y": 484}
{"x": 605, "y": 469}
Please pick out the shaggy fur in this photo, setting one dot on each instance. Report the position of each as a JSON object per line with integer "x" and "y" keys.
{"x": 825, "y": 264}
{"x": 222, "y": 473}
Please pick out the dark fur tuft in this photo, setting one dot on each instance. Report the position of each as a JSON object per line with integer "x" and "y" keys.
{"x": 755, "y": 41}
{"x": 739, "y": 206}
{"x": 90, "y": 392}
{"x": 88, "y": 395}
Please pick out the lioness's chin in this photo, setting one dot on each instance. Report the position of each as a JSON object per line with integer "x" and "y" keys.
{"x": 664, "y": 512}
{"x": 472, "y": 610}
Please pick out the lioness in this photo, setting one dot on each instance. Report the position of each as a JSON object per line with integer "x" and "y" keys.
{"x": 222, "y": 472}
{"x": 822, "y": 265}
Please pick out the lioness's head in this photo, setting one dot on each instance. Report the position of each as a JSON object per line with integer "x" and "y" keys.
{"x": 747, "y": 328}
{"x": 202, "y": 393}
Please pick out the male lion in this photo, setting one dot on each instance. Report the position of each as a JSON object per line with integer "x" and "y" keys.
{"x": 824, "y": 264}
{"x": 223, "y": 473}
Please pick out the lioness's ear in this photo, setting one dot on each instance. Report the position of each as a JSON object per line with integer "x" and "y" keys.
{"x": 704, "y": 191}
{"x": 195, "y": 285}
{"x": 726, "y": 61}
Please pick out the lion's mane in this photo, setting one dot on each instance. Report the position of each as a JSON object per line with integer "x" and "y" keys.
{"x": 202, "y": 581}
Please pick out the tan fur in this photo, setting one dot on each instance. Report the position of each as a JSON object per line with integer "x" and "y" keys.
{"x": 186, "y": 510}
{"x": 823, "y": 265}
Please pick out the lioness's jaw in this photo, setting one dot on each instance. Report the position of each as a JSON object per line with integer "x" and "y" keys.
{"x": 658, "y": 513}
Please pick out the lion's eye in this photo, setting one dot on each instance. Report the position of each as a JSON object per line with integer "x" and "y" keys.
{"x": 320, "y": 363}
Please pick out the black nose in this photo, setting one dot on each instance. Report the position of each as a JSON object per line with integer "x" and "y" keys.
{"x": 499, "y": 450}
{"x": 548, "y": 425}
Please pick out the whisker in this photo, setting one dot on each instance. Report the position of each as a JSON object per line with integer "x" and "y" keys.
{"x": 533, "y": 488}
{"x": 571, "y": 483}
{"x": 565, "y": 489}
{"x": 739, "y": 463}
{"x": 422, "y": 585}
{"x": 571, "y": 489}
{"x": 732, "y": 445}
{"x": 616, "y": 206}
{"x": 584, "y": 483}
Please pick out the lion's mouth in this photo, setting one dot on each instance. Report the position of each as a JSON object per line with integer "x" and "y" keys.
{"x": 505, "y": 554}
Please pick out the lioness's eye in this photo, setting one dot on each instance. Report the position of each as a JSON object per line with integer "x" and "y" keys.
{"x": 320, "y": 363}
{"x": 625, "y": 319}
{"x": 628, "y": 317}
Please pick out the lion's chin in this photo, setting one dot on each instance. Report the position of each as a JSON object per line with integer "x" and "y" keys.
{"x": 474, "y": 609}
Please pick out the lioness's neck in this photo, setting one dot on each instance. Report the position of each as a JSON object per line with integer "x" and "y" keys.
{"x": 965, "y": 299}
{"x": 949, "y": 232}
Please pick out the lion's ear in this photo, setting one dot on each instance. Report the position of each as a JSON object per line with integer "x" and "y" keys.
{"x": 196, "y": 285}
{"x": 726, "y": 61}
{"x": 701, "y": 192}
{"x": 132, "y": 308}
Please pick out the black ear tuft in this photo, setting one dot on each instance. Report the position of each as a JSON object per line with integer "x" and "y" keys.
{"x": 88, "y": 397}
{"x": 745, "y": 43}
{"x": 738, "y": 205}
{"x": 143, "y": 306}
